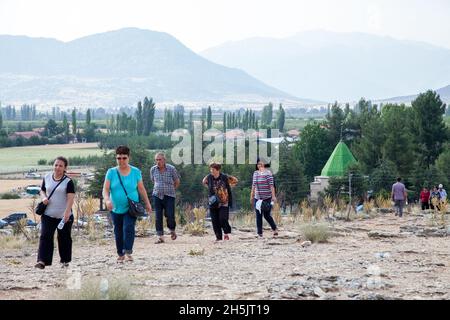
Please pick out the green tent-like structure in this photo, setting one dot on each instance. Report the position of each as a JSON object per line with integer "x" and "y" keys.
{"x": 339, "y": 161}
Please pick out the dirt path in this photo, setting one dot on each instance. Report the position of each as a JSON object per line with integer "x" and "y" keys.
{"x": 351, "y": 265}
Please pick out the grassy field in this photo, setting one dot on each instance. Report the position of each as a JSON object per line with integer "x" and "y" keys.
{"x": 25, "y": 158}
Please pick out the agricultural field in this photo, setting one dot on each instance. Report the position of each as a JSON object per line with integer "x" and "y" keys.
{"x": 25, "y": 158}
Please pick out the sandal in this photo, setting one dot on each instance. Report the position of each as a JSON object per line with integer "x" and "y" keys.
{"x": 173, "y": 235}
{"x": 129, "y": 258}
{"x": 120, "y": 259}
{"x": 160, "y": 240}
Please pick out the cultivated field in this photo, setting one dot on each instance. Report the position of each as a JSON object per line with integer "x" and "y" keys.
{"x": 25, "y": 158}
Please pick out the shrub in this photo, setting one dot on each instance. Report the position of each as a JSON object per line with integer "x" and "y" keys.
{"x": 316, "y": 233}
{"x": 100, "y": 290}
{"x": 9, "y": 196}
{"x": 11, "y": 242}
{"x": 197, "y": 228}
{"x": 42, "y": 162}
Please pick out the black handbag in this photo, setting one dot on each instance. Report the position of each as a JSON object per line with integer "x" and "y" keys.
{"x": 266, "y": 205}
{"x": 41, "y": 207}
{"x": 135, "y": 209}
{"x": 213, "y": 202}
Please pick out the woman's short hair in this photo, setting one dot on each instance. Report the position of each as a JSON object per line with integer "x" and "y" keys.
{"x": 123, "y": 150}
{"x": 215, "y": 165}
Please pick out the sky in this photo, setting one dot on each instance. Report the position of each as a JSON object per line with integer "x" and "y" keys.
{"x": 201, "y": 24}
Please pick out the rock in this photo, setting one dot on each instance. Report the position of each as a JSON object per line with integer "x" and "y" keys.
{"x": 384, "y": 210}
{"x": 382, "y": 255}
{"x": 5, "y": 232}
{"x": 383, "y": 234}
{"x": 319, "y": 292}
{"x": 306, "y": 243}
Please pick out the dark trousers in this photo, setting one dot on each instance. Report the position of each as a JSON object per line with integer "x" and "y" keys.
{"x": 46, "y": 240}
{"x": 165, "y": 206}
{"x": 267, "y": 216}
{"x": 219, "y": 219}
{"x": 124, "y": 232}
{"x": 425, "y": 206}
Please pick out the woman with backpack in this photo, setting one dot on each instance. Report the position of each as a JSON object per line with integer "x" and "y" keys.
{"x": 219, "y": 199}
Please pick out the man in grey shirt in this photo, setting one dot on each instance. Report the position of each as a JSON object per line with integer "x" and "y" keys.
{"x": 399, "y": 196}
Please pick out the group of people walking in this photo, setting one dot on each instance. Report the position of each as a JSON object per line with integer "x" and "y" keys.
{"x": 124, "y": 183}
{"x": 428, "y": 200}
{"x": 434, "y": 199}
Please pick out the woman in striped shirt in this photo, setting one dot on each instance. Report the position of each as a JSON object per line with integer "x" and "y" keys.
{"x": 262, "y": 197}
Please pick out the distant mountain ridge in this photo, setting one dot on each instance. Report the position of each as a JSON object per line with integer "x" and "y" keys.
{"x": 119, "y": 68}
{"x": 444, "y": 94}
{"x": 331, "y": 66}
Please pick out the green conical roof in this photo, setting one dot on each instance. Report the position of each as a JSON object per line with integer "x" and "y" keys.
{"x": 339, "y": 161}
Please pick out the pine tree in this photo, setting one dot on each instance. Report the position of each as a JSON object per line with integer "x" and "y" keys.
{"x": 209, "y": 118}
{"x": 429, "y": 126}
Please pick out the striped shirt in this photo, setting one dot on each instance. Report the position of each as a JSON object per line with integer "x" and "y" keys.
{"x": 262, "y": 181}
{"x": 164, "y": 182}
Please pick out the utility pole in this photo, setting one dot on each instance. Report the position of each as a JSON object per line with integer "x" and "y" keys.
{"x": 349, "y": 195}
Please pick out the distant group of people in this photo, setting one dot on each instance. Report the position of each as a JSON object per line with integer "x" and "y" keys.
{"x": 429, "y": 200}
{"x": 123, "y": 183}
{"x": 434, "y": 199}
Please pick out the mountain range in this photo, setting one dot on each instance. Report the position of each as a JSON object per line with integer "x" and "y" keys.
{"x": 119, "y": 68}
{"x": 332, "y": 66}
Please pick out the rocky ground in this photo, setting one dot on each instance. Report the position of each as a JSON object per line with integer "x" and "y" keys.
{"x": 384, "y": 257}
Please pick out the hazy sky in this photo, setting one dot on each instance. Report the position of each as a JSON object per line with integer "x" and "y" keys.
{"x": 200, "y": 24}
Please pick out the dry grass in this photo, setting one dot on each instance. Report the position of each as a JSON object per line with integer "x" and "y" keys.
{"x": 196, "y": 252}
{"x": 369, "y": 206}
{"x": 306, "y": 211}
{"x": 143, "y": 227}
{"x": 12, "y": 242}
{"x": 243, "y": 219}
{"x": 384, "y": 203}
{"x": 315, "y": 232}
{"x": 100, "y": 290}
{"x": 276, "y": 214}
{"x": 197, "y": 228}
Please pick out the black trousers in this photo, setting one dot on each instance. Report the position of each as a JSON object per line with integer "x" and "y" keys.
{"x": 425, "y": 205}
{"x": 46, "y": 241}
{"x": 219, "y": 219}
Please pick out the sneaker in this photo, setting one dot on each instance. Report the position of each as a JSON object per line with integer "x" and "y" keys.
{"x": 39, "y": 265}
{"x": 226, "y": 237}
{"x": 275, "y": 233}
{"x": 160, "y": 240}
{"x": 260, "y": 236}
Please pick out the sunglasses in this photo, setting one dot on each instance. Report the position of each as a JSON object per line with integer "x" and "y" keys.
{"x": 122, "y": 158}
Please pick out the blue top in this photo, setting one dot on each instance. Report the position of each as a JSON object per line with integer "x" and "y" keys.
{"x": 130, "y": 182}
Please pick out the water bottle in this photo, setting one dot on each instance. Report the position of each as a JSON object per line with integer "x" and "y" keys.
{"x": 61, "y": 224}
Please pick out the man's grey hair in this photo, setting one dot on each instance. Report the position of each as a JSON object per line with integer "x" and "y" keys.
{"x": 161, "y": 154}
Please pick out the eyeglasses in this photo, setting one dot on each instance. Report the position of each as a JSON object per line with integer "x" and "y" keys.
{"x": 122, "y": 158}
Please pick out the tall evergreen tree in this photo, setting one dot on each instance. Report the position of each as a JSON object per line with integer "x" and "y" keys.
{"x": 209, "y": 118}
{"x": 88, "y": 117}
{"x": 429, "y": 126}
{"x": 281, "y": 118}
{"x": 139, "y": 119}
{"x": 74, "y": 122}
